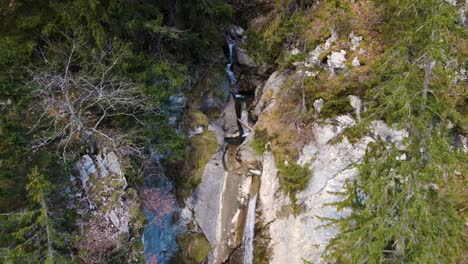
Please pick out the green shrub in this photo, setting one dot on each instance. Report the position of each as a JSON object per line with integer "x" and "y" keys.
{"x": 295, "y": 177}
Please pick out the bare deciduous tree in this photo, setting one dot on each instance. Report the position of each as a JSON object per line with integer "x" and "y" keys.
{"x": 76, "y": 98}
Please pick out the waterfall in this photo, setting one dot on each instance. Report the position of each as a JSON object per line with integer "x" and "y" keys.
{"x": 245, "y": 119}
{"x": 230, "y": 74}
{"x": 249, "y": 231}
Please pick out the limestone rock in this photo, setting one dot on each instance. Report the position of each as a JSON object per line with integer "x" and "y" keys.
{"x": 231, "y": 126}
{"x": 314, "y": 56}
{"x": 336, "y": 60}
{"x": 295, "y": 238}
{"x": 355, "y": 41}
{"x": 355, "y": 62}
{"x": 246, "y": 155}
{"x": 103, "y": 186}
{"x": 207, "y": 195}
{"x": 356, "y": 103}
{"x": 318, "y": 104}
{"x": 243, "y": 59}
{"x": 269, "y": 91}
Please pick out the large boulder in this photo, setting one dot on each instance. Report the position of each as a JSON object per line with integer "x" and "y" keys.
{"x": 267, "y": 97}
{"x": 102, "y": 196}
{"x": 231, "y": 126}
{"x": 243, "y": 59}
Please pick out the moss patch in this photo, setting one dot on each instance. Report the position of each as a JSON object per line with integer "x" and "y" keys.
{"x": 202, "y": 147}
{"x": 197, "y": 118}
{"x": 194, "y": 248}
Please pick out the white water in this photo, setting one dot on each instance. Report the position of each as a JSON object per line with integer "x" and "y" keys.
{"x": 244, "y": 119}
{"x": 249, "y": 231}
{"x": 230, "y": 74}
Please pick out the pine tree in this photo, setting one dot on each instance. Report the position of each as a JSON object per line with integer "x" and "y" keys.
{"x": 35, "y": 239}
{"x": 402, "y": 212}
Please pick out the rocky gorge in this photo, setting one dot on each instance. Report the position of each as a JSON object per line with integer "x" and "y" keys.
{"x": 239, "y": 210}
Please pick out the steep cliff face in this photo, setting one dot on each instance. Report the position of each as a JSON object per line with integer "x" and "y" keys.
{"x": 295, "y": 237}
{"x": 107, "y": 207}
{"x": 278, "y": 137}
{"x": 309, "y": 129}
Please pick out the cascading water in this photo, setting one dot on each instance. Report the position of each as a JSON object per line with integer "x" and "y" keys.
{"x": 230, "y": 73}
{"x": 249, "y": 231}
{"x": 231, "y": 76}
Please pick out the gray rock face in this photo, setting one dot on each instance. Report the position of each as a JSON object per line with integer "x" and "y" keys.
{"x": 211, "y": 101}
{"x": 235, "y": 32}
{"x": 103, "y": 184}
{"x": 243, "y": 59}
{"x": 356, "y": 103}
{"x": 269, "y": 92}
{"x": 231, "y": 126}
{"x": 207, "y": 195}
{"x": 205, "y": 199}
{"x": 295, "y": 238}
{"x": 336, "y": 60}
{"x": 246, "y": 155}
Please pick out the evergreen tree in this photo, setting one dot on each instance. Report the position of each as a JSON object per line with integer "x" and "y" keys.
{"x": 402, "y": 208}
{"x": 35, "y": 239}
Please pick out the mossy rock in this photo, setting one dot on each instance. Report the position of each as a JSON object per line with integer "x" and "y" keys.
{"x": 194, "y": 249}
{"x": 203, "y": 147}
{"x": 197, "y": 118}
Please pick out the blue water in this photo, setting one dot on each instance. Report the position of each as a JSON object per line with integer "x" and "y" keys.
{"x": 162, "y": 228}
{"x": 159, "y": 238}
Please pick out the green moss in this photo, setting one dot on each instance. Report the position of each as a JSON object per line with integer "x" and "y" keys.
{"x": 259, "y": 145}
{"x": 204, "y": 146}
{"x": 194, "y": 248}
{"x": 335, "y": 108}
{"x": 294, "y": 178}
{"x": 261, "y": 255}
{"x": 197, "y": 118}
{"x": 353, "y": 134}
